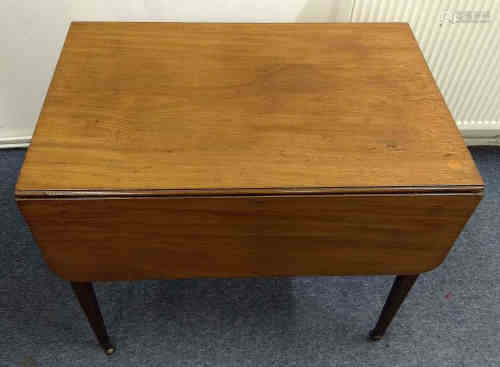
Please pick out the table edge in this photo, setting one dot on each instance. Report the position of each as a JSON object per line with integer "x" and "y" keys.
{"x": 272, "y": 191}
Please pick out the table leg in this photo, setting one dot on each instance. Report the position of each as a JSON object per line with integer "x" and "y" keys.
{"x": 84, "y": 291}
{"x": 399, "y": 291}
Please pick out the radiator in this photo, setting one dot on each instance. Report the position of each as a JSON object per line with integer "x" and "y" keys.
{"x": 460, "y": 41}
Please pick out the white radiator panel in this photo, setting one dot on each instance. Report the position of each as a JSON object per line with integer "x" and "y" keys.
{"x": 463, "y": 54}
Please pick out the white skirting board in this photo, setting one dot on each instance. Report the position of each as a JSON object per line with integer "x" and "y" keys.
{"x": 480, "y": 132}
{"x": 17, "y": 142}
{"x": 483, "y": 141}
{"x": 474, "y": 133}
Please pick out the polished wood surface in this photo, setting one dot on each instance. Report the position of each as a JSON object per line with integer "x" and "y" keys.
{"x": 178, "y": 108}
{"x": 144, "y": 238}
{"x": 176, "y": 150}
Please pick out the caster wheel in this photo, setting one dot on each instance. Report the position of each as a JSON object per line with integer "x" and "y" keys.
{"x": 109, "y": 350}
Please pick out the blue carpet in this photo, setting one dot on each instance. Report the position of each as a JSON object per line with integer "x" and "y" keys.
{"x": 451, "y": 317}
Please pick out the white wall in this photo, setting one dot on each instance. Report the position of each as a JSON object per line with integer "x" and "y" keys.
{"x": 32, "y": 33}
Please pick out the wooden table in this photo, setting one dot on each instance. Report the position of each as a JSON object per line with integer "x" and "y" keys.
{"x": 174, "y": 150}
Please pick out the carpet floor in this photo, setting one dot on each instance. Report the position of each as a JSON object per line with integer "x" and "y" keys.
{"x": 451, "y": 317}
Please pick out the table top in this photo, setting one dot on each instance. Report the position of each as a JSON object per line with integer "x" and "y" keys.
{"x": 210, "y": 108}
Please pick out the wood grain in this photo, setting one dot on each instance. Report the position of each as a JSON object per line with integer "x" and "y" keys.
{"x": 182, "y": 237}
{"x": 284, "y": 107}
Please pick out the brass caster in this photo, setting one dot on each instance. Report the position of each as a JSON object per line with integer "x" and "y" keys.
{"x": 109, "y": 350}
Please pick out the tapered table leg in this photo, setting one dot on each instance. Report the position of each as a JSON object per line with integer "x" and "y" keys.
{"x": 400, "y": 288}
{"x": 84, "y": 291}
